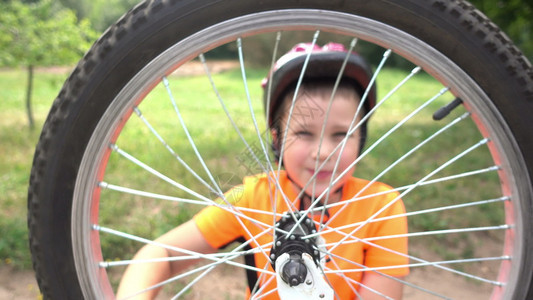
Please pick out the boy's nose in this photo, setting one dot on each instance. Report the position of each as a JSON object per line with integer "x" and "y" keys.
{"x": 322, "y": 151}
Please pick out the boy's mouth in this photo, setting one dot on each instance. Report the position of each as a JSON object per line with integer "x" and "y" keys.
{"x": 321, "y": 174}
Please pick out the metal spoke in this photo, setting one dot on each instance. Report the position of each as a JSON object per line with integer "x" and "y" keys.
{"x": 206, "y": 69}
{"x": 287, "y": 126}
{"x": 340, "y": 145}
{"x": 232, "y": 208}
{"x": 189, "y": 137}
{"x": 151, "y": 170}
{"x": 110, "y": 264}
{"x": 341, "y": 273}
{"x": 426, "y": 233}
{"x": 427, "y": 264}
{"x": 344, "y": 277}
{"x": 410, "y": 152}
{"x": 313, "y": 177}
{"x": 125, "y": 190}
{"x": 256, "y": 126}
{"x": 425, "y": 183}
{"x": 238, "y": 131}
{"x": 440, "y": 266}
{"x": 449, "y": 162}
{"x": 177, "y": 249}
{"x": 412, "y": 213}
{"x": 326, "y": 117}
{"x": 172, "y": 152}
{"x": 197, "y": 152}
{"x": 229, "y": 207}
{"x": 297, "y": 88}
{"x": 193, "y": 282}
{"x": 352, "y": 130}
{"x": 249, "y": 101}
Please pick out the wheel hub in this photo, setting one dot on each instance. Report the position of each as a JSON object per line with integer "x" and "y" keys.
{"x": 295, "y": 245}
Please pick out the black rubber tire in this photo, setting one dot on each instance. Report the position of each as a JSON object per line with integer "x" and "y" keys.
{"x": 455, "y": 28}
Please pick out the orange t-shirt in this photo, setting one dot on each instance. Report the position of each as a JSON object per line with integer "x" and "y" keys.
{"x": 255, "y": 200}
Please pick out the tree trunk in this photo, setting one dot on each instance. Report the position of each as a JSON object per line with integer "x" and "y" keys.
{"x": 28, "y": 97}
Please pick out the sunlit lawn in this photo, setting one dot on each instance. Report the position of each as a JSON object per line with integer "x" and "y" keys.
{"x": 17, "y": 144}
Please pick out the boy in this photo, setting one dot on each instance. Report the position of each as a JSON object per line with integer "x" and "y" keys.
{"x": 317, "y": 151}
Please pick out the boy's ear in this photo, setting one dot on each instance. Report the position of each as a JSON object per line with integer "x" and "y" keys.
{"x": 274, "y": 132}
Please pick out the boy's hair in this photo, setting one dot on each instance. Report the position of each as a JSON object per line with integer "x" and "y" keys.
{"x": 322, "y": 88}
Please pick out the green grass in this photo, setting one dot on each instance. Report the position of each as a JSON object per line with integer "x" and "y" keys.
{"x": 224, "y": 152}
{"x": 17, "y": 144}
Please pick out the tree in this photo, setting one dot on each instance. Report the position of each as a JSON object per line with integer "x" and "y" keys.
{"x": 515, "y": 17}
{"x": 41, "y": 34}
{"x": 102, "y": 13}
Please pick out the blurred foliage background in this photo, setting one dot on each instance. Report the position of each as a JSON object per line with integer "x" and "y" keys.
{"x": 79, "y": 22}
{"x": 36, "y": 33}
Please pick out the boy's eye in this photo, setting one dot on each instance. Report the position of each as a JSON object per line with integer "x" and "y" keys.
{"x": 303, "y": 133}
{"x": 340, "y": 134}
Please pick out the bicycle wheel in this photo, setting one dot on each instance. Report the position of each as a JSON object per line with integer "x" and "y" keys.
{"x": 127, "y": 133}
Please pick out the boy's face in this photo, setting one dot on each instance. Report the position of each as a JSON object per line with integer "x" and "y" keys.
{"x": 305, "y": 143}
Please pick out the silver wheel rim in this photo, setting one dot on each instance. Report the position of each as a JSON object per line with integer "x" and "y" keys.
{"x": 84, "y": 236}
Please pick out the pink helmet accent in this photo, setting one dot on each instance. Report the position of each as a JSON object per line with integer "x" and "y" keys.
{"x": 299, "y": 50}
